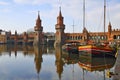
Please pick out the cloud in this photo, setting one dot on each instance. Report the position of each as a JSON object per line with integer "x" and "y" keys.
{"x": 115, "y": 15}
{"x": 4, "y": 3}
{"x": 71, "y": 10}
{"x": 23, "y": 1}
{"x": 5, "y": 7}
{"x": 33, "y": 2}
{"x": 5, "y": 10}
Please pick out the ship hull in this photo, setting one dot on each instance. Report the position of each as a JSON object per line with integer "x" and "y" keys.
{"x": 90, "y": 50}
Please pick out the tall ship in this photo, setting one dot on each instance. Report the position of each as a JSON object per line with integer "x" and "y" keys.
{"x": 98, "y": 49}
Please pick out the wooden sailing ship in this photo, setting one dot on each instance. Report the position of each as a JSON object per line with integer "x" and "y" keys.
{"x": 102, "y": 49}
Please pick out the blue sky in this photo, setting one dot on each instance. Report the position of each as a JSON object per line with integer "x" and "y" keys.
{"x": 21, "y": 15}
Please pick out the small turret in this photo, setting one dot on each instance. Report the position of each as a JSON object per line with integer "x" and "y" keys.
{"x": 25, "y": 35}
{"x": 85, "y": 31}
{"x": 15, "y": 33}
{"x": 10, "y": 33}
{"x": 16, "y": 37}
{"x": 109, "y": 29}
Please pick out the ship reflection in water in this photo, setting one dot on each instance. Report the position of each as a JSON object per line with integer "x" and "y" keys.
{"x": 46, "y": 63}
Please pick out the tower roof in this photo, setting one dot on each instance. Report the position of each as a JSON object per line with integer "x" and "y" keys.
{"x": 60, "y": 20}
{"x": 38, "y": 26}
{"x": 60, "y": 13}
{"x": 38, "y": 19}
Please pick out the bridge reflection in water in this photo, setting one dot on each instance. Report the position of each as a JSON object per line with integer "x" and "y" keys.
{"x": 46, "y": 63}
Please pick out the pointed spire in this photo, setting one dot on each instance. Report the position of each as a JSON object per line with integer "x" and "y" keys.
{"x": 38, "y": 21}
{"x": 60, "y": 14}
{"x": 60, "y": 18}
{"x": 38, "y": 16}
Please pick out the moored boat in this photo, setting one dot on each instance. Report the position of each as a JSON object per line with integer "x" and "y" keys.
{"x": 99, "y": 51}
{"x": 72, "y": 48}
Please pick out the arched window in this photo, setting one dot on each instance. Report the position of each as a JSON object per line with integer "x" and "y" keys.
{"x": 114, "y": 37}
{"x": 72, "y": 37}
{"x": 98, "y": 37}
{"x": 78, "y": 37}
{"x": 102, "y": 37}
{"x": 81, "y": 37}
{"x": 119, "y": 37}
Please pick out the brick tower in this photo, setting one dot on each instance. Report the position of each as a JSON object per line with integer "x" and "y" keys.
{"x": 59, "y": 35}
{"x": 38, "y": 39}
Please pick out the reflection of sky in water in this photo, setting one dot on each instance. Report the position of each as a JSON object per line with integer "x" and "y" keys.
{"x": 23, "y": 68}
{"x": 20, "y": 67}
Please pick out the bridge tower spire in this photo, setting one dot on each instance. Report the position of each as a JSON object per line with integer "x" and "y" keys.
{"x": 38, "y": 39}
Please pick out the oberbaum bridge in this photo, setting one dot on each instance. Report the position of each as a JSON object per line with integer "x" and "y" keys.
{"x": 60, "y": 37}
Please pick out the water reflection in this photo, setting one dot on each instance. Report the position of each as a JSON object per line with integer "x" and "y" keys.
{"x": 86, "y": 63}
{"x": 96, "y": 64}
{"x": 38, "y": 50}
{"x": 58, "y": 62}
{"x": 46, "y": 63}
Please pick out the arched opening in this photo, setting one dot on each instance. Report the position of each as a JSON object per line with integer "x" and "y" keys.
{"x": 78, "y": 37}
{"x": 114, "y": 37}
{"x": 81, "y": 37}
{"x": 118, "y": 36}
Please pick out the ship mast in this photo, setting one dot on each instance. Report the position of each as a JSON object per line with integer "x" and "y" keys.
{"x": 73, "y": 26}
{"x": 83, "y": 14}
{"x": 104, "y": 16}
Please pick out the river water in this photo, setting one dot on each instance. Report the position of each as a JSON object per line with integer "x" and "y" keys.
{"x": 48, "y": 63}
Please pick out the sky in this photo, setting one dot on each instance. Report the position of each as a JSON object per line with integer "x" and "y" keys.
{"x": 21, "y": 15}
